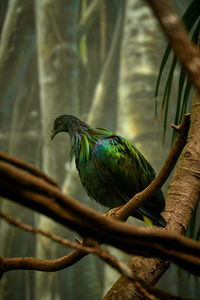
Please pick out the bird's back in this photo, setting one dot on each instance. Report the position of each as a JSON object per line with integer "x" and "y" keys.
{"x": 114, "y": 171}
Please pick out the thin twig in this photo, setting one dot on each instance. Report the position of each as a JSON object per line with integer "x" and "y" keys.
{"x": 42, "y": 232}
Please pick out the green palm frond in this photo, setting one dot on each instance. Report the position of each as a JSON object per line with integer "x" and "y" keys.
{"x": 191, "y": 20}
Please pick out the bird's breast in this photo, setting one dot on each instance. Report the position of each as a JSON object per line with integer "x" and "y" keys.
{"x": 95, "y": 187}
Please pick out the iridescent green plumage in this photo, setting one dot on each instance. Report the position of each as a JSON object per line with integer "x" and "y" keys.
{"x": 111, "y": 169}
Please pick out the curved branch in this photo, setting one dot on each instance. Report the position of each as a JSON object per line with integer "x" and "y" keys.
{"x": 128, "y": 209}
{"x": 31, "y": 263}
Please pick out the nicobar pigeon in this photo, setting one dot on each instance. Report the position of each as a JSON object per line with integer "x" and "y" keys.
{"x": 111, "y": 169}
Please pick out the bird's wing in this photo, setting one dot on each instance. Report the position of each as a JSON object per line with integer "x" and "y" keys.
{"x": 121, "y": 165}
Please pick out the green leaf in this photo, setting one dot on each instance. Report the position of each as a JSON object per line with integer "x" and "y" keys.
{"x": 189, "y": 18}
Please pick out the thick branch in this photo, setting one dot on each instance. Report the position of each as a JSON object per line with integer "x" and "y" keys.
{"x": 33, "y": 192}
{"x": 26, "y": 166}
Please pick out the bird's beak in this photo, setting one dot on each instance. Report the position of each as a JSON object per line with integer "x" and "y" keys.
{"x": 53, "y": 133}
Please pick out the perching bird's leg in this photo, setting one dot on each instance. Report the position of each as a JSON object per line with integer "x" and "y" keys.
{"x": 111, "y": 212}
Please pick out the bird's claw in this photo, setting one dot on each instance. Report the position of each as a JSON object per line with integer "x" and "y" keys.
{"x": 112, "y": 212}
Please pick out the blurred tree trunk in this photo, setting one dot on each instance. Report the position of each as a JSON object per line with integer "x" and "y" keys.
{"x": 3, "y": 9}
{"x": 141, "y": 51}
{"x": 105, "y": 85}
{"x": 58, "y": 74}
{"x": 19, "y": 102}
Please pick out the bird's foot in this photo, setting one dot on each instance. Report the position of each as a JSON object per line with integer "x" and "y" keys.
{"x": 112, "y": 212}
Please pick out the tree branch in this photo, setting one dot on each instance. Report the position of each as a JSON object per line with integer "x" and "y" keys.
{"x": 49, "y": 235}
{"x": 26, "y": 166}
{"x": 8, "y": 264}
{"x": 164, "y": 173}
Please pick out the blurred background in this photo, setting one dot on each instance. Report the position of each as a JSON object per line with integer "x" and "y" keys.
{"x": 98, "y": 60}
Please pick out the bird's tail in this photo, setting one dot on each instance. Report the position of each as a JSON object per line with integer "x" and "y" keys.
{"x": 154, "y": 218}
{"x": 148, "y": 222}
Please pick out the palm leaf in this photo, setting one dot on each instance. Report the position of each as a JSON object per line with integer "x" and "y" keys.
{"x": 192, "y": 23}
{"x": 167, "y": 92}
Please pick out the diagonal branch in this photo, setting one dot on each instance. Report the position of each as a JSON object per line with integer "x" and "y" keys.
{"x": 164, "y": 173}
{"x": 26, "y": 166}
{"x": 49, "y": 235}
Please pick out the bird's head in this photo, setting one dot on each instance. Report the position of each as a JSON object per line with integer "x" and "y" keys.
{"x": 62, "y": 124}
{"x": 66, "y": 123}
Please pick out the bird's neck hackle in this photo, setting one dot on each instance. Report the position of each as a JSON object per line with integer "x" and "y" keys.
{"x": 83, "y": 138}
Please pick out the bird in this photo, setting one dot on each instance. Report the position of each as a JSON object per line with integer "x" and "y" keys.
{"x": 111, "y": 169}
